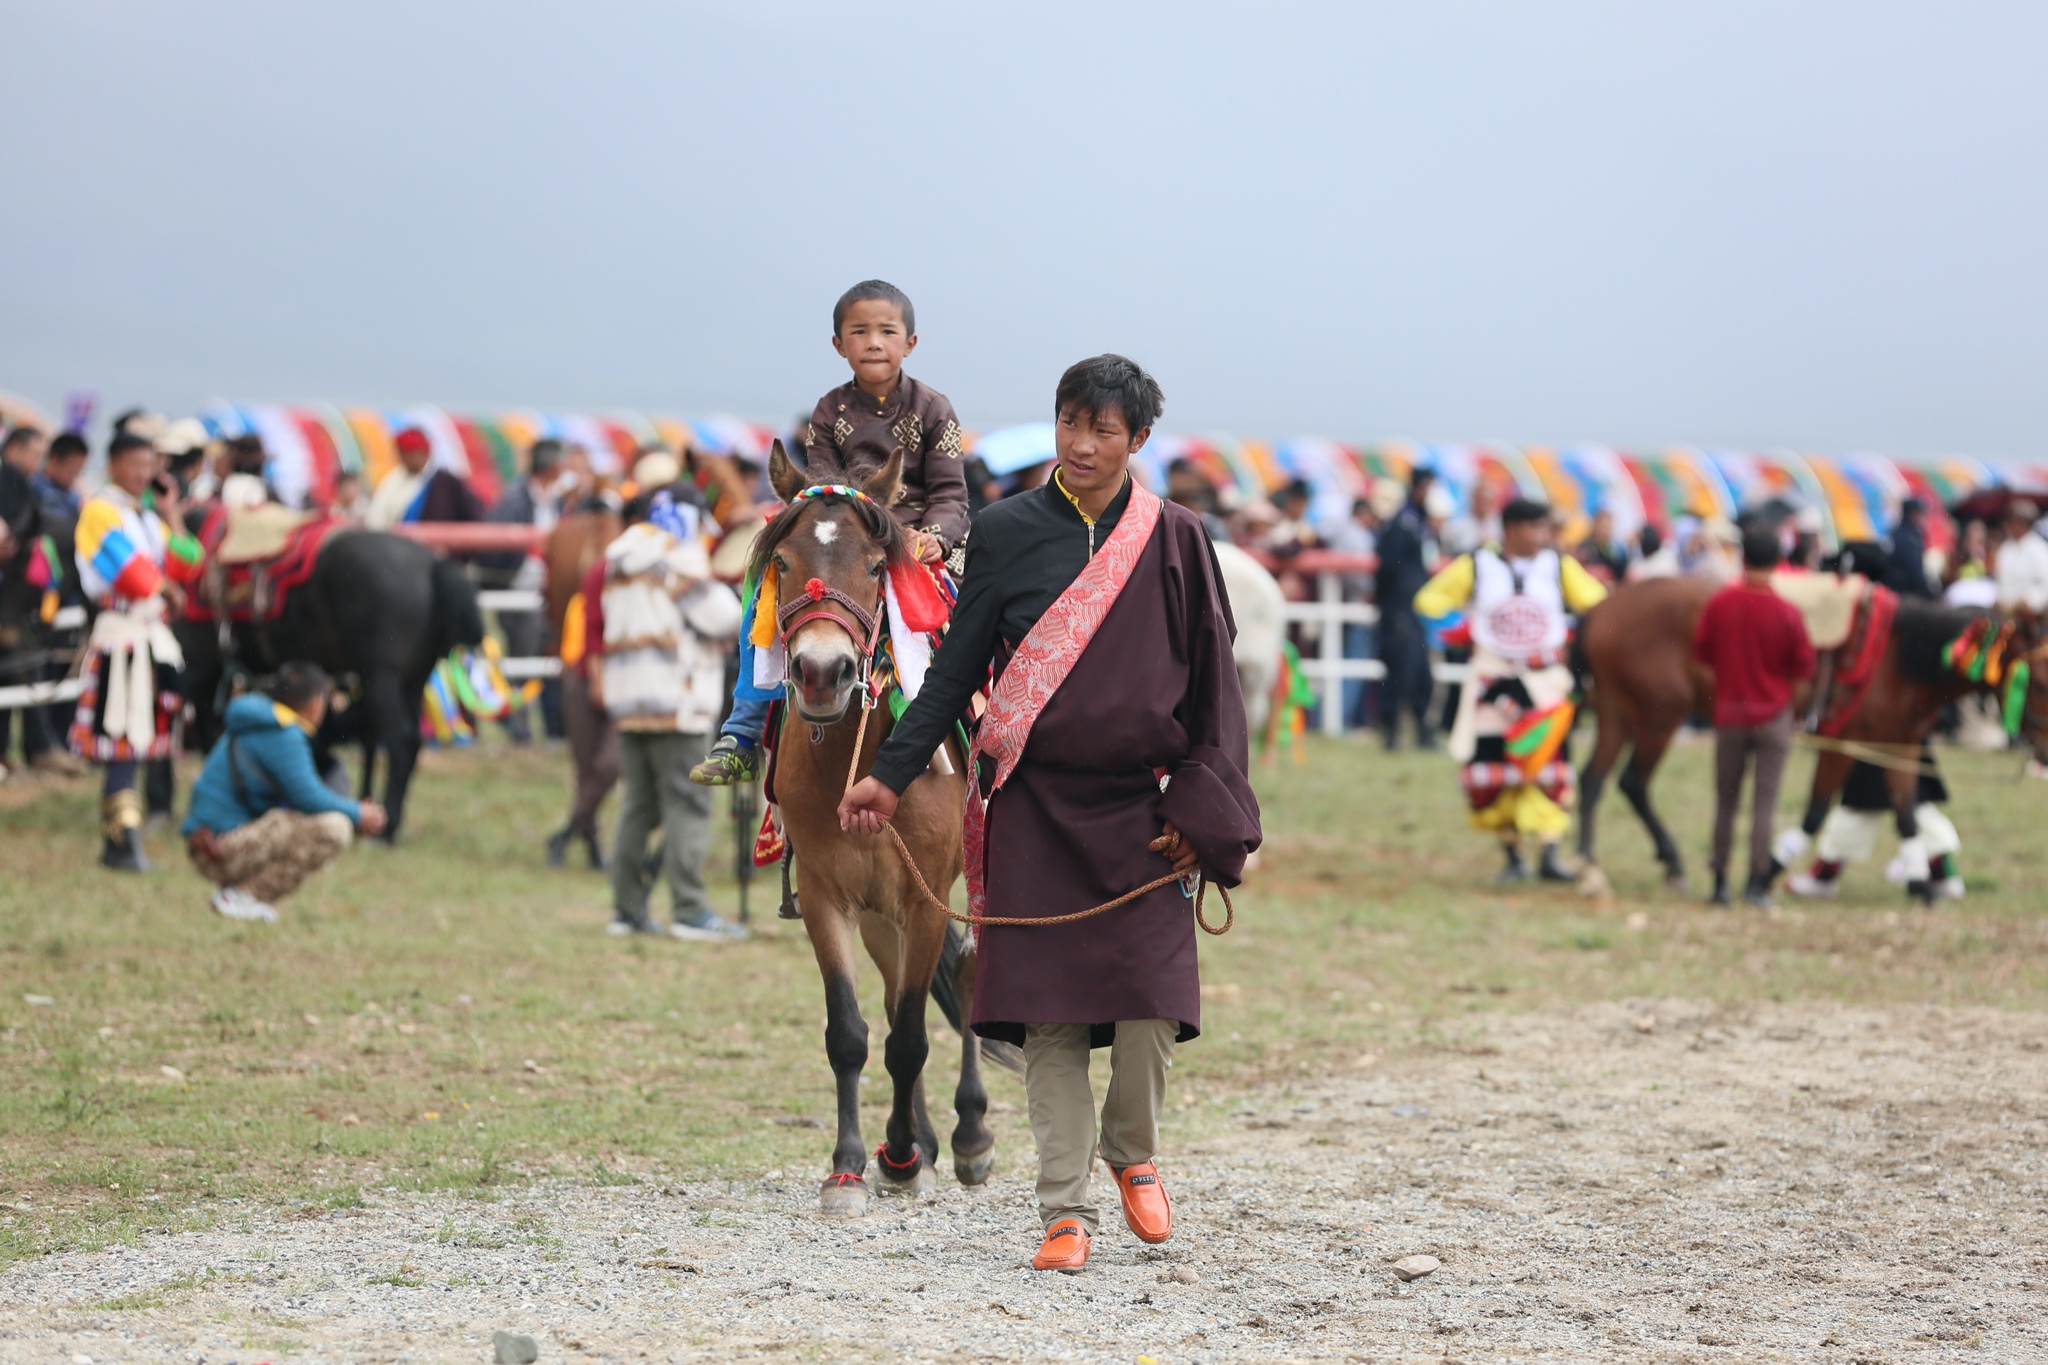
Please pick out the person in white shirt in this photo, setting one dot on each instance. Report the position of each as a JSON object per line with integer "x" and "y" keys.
{"x": 2022, "y": 563}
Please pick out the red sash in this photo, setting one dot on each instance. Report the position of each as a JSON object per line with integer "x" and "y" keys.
{"x": 1042, "y": 663}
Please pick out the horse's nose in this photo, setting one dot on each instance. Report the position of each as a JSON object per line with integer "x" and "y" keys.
{"x": 821, "y": 675}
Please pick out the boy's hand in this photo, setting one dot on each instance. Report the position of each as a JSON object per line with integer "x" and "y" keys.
{"x": 370, "y": 818}
{"x": 865, "y": 807}
{"x": 927, "y": 547}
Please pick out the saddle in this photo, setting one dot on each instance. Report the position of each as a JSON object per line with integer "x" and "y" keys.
{"x": 1849, "y": 621}
{"x": 255, "y": 557}
{"x": 1826, "y": 603}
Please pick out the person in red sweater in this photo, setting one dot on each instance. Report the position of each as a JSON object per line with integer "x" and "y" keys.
{"x": 1754, "y": 643}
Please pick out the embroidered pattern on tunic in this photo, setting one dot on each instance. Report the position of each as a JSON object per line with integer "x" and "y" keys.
{"x": 841, "y": 430}
{"x": 910, "y": 431}
{"x": 949, "y": 444}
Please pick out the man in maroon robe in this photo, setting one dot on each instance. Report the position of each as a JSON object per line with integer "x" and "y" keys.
{"x": 1114, "y": 722}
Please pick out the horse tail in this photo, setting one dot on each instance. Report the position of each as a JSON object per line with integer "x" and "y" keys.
{"x": 458, "y": 620}
{"x": 946, "y": 990}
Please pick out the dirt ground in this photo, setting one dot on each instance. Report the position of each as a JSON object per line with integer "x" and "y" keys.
{"x": 1651, "y": 1180}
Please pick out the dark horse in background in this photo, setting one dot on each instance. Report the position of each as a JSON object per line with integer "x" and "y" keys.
{"x": 379, "y": 611}
{"x": 1635, "y": 652}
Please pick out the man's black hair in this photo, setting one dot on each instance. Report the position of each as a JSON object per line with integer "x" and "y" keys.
{"x": 1420, "y": 477}
{"x": 300, "y": 682}
{"x": 122, "y": 419}
{"x": 1522, "y": 511}
{"x": 1649, "y": 540}
{"x": 875, "y": 289}
{"x": 245, "y": 454}
{"x": 125, "y": 442}
{"x": 68, "y": 445}
{"x": 543, "y": 455}
{"x": 1760, "y": 547}
{"x": 18, "y": 435}
{"x": 1102, "y": 382}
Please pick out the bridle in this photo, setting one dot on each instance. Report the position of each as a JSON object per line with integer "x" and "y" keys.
{"x": 811, "y": 606}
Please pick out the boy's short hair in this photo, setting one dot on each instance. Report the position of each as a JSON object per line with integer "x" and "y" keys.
{"x": 68, "y": 445}
{"x": 18, "y": 436}
{"x": 1110, "y": 381}
{"x": 127, "y": 442}
{"x": 300, "y": 682}
{"x": 875, "y": 289}
{"x": 1522, "y": 511}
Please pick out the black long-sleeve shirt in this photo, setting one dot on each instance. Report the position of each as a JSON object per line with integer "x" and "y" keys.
{"x": 1025, "y": 551}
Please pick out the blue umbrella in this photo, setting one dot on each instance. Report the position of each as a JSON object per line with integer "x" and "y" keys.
{"x": 1015, "y": 448}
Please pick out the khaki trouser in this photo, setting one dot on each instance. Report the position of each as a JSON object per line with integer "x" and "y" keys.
{"x": 272, "y": 854}
{"x": 1062, "y": 1105}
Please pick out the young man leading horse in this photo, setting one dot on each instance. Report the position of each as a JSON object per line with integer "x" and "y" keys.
{"x": 1113, "y": 746}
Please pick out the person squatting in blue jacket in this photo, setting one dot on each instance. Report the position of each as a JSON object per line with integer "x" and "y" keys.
{"x": 262, "y": 821}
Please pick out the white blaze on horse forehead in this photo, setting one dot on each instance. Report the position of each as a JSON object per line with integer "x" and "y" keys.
{"x": 825, "y": 531}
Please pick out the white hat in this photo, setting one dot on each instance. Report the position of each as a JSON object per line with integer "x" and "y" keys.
{"x": 1438, "y": 502}
{"x": 185, "y": 434}
{"x": 656, "y": 469}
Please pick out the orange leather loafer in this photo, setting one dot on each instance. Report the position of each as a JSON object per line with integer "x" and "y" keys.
{"x": 1064, "y": 1249}
{"x": 1146, "y": 1207}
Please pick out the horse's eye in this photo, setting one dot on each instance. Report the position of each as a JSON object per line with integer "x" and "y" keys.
{"x": 876, "y": 569}
{"x": 781, "y": 564}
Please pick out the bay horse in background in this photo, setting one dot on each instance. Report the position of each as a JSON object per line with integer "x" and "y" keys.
{"x": 857, "y": 891}
{"x": 1634, "y": 654}
{"x": 377, "y": 608}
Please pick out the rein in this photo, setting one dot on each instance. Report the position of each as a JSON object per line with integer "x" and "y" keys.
{"x": 810, "y": 607}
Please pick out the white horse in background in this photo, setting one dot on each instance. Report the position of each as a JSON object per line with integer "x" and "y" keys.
{"x": 1260, "y": 609}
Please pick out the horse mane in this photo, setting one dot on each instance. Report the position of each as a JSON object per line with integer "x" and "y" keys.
{"x": 874, "y": 519}
{"x": 1922, "y": 629}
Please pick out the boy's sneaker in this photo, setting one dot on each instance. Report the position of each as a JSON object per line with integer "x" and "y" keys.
{"x": 713, "y": 928}
{"x": 728, "y": 762}
{"x": 234, "y": 903}
{"x": 621, "y": 928}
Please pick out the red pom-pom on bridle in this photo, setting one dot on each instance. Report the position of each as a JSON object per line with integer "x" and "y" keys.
{"x": 815, "y": 589}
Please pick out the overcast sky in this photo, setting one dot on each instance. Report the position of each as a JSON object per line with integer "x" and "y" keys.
{"x": 1755, "y": 224}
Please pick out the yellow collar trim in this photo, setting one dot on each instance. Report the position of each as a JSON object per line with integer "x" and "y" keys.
{"x": 288, "y": 717}
{"x": 1061, "y": 484}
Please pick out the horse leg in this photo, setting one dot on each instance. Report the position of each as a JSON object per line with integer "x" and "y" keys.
{"x": 1635, "y": 785}
{"x": 395, "y": 726}
{"x": 1829, "y": 772}
{"x": 1607, "y": 746}
{"x": 907, "y": 962}
{"x": 845, "y": 1192}
{"x": 973, "y": 1144}
{"x": 1911, "y": 868}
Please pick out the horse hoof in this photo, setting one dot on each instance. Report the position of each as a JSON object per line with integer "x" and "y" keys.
{"x": 973, "y": 1170}
{"x": 843, "y": 1197}
{"x": 923, "y": 1185}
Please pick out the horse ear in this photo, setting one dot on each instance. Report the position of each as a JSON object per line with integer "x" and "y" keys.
{"x": 783, "y": 475}
{"x": 885, "y": 483}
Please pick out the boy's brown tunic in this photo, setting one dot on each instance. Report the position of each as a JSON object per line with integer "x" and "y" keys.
{"x": 915, "y": 419}
{"x": 1155, "y": 689}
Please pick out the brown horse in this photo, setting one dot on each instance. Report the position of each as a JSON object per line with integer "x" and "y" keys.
{"x": 1635, "y": 650}
{"x": 853, "y": 890}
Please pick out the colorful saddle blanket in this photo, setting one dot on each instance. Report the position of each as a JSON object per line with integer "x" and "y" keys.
{"x": 255, "y": 557}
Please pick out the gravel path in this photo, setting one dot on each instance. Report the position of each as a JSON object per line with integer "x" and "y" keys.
{"x": 1640, "y": 1181}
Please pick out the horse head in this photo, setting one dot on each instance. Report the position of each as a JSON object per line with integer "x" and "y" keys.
{"x": 828, "y": 552}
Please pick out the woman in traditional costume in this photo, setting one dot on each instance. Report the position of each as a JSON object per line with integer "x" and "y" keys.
{"x": 1114, "y": 728}
{"x": 133, "y": 555}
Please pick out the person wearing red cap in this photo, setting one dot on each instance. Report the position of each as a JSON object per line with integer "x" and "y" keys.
{"x": 417, "y": 491}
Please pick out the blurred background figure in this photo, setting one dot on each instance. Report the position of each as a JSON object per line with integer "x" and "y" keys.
{"x": 1604, "y": 554}
{"x": 535, "y": 501}
{"x": 1906, "y": 573}
{"x": 1405, "y": 541}
{"x": 2022, "y": 560}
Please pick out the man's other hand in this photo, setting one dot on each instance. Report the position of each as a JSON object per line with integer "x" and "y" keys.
{"x": 928, "y": 548}
{"x": 1174, "y": 848}
{"x": 866, "y": 807}
{"x": 371, "y": 819}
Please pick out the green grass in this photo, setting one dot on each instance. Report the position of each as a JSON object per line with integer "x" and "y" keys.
{"x": 451, "y": 1016}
